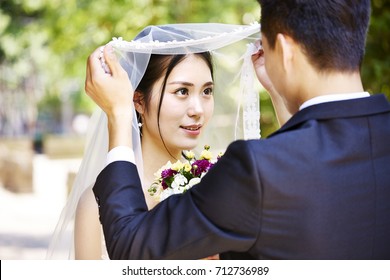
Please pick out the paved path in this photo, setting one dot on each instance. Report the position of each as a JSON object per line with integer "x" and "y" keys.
{"x": 27, "y": 220}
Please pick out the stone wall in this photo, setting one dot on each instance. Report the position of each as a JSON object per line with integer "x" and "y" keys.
{"x": 16, "y": 165}
{"x": 17, "y": 157}
{"x": 59, "y": 146}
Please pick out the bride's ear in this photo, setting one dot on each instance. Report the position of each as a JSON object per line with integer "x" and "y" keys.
{"x": 139, "y": 102}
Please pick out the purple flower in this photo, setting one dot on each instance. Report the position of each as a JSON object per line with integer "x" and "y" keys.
{"x": 164, "y": 185}
{"x": 167, "y": 177}
{"x": 168, "y": 173}
{"x": 200, "y": 166}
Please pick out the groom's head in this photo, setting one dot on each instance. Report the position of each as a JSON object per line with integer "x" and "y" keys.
{"x": 331, "y": 33}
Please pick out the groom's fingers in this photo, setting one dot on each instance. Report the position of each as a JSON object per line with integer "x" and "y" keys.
{"x": 258, "y": 58}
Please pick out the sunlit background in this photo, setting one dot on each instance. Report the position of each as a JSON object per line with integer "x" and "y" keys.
{"x": 44, "y": 111}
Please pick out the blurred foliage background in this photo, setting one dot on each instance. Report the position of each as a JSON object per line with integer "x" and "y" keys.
{"x": 44, "y": 45}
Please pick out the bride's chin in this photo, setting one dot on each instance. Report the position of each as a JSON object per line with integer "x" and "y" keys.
{"x": 189, "y": 143}
{"x": 192, "y": 145}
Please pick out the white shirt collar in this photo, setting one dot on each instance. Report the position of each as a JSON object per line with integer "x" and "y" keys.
{"x": 333, "y": 97}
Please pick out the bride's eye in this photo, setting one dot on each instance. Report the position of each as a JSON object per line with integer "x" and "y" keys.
{"x": 181, "y": 91}
{"x": 208, "y": 91}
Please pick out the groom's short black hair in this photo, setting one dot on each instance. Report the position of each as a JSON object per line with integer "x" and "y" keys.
{"x": 332, "y": 33}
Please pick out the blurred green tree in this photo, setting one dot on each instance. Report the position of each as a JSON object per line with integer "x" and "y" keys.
{"x": 376, "y": 65}
{"x": 48, "y": 41}
{"x": 45, "y": 43}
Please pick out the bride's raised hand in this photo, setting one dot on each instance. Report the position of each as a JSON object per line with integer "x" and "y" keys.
{"x": 107, "y": 83}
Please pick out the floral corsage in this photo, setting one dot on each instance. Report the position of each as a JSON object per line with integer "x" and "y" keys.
{"x": 178, "y": 177}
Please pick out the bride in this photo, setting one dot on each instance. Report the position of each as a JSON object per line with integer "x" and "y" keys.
{"x": 173, "y": 69}
{"x": 174, "y": 103}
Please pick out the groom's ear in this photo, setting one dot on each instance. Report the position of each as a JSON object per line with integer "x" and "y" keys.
{"x": 139, "y": 102}
{"x": 284, "y": 45}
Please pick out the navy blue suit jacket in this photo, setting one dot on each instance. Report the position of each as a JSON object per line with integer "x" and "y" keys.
{"x": 318, "y": 188}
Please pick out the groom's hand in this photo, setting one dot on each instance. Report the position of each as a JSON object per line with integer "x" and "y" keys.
{"x": 258, "y": 60}
{"x": 112, "y": 92}
{"x": 282, "y": 113}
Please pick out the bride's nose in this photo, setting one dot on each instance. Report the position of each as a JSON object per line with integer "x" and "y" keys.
{"x": 195, "y": 106}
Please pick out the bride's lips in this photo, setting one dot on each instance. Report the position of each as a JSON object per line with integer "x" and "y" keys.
{"x": 192, "y": 129}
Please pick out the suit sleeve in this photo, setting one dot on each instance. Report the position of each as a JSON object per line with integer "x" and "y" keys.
{"x": 220, "y": 214}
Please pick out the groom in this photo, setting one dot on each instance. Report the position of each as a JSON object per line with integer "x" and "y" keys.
{"x": 318, "y": 188}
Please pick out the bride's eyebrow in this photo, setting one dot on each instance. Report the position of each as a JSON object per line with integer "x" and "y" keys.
{"x": 208, "y": 84}
{"x": 188, "y": 84}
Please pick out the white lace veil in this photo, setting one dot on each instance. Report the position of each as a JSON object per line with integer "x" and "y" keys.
{"x": 236, "y": 113}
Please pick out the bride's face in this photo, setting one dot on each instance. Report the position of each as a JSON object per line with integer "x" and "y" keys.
{"x": 186, "y": 108}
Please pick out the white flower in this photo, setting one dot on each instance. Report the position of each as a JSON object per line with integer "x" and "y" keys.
{"x": 166, "y": 193}
{"x": 179, "y": 190}
{"x": 179, "y": 181}
{"x": 193, "y": 182}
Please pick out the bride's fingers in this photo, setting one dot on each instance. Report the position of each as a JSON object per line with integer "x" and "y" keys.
{"x": 94, "y": 71}
{"x": 88, "y": 75}
{"x": 96, "y": 62}
{"x": 111, "y": 61}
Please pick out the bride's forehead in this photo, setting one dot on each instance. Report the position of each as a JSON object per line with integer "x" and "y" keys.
{"x": 194, "y": 61}
{"x": 192, "y": 67}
